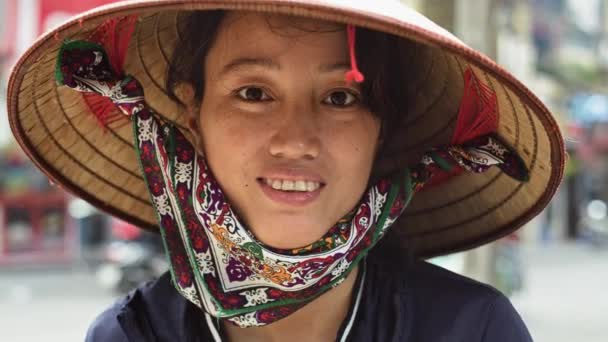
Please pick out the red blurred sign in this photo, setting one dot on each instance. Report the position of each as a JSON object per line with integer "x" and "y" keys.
{"x": 54, "y": 12}
{"x": 8, "y": 29}
{"x": 24, "y": 20}
{"x": 34, "y": 226}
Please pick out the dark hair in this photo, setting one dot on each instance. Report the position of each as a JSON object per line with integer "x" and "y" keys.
{"x": 381, "y": 58}
{"x": 197, "y": 34}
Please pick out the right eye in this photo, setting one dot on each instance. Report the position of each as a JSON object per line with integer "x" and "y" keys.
{"x": 253, "y": 94}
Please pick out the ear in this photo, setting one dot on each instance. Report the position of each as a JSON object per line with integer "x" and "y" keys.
{"x": 195, "y": 132}
{"x": 185, "y": 93}
{"x": 381, "y": 137}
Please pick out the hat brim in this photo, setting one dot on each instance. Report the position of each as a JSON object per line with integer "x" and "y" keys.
{"x": 55, "y": 128}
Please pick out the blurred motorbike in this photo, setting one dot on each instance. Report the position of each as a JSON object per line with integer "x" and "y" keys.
{"x": 133, "y": 257}
{"x": 509, "y": 266}
{"x": 505, "y": 272}
{"x": 594, "y": 222}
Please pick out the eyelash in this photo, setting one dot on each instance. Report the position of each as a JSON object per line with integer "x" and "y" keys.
{"x": 238, "y": 92}
{"x": 355, "y": 95}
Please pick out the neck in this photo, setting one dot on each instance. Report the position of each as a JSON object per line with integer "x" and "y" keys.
{"x": 318, "y": 320}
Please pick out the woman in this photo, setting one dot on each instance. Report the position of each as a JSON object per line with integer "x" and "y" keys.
{"x": 296, "y": 165}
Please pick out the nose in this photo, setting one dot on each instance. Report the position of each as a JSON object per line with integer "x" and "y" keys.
{"x": 296, "y": 136}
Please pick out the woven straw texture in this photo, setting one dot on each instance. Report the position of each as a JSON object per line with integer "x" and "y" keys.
{"x": 54, "y": 126}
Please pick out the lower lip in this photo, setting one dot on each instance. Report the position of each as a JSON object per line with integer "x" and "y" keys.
{"x": 295, "y": 198}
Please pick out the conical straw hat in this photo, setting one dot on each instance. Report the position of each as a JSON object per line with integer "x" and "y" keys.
{"x": 54, "y": 125}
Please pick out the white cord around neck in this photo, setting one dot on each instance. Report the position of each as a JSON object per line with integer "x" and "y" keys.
{"x": 212, "y": 328}
{"x": 353, "y": 315}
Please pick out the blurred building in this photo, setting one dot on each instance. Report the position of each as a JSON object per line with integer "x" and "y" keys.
{"x": 37, "y": 223}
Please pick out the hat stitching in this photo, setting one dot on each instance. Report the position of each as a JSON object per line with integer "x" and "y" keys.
{"x": 159, "y": 44}
{"x": 506, "y": 199}
{"x": 63, "y": 150}
{"x": 409, "y": 121}
{"x": 487, "y": 184}
{"x": 427, "y": 140}
{"x": 148, "y": 74}
{"x": 515, "y": 116}
{"x": 83, "y": 32}
{"x": 473, "y": 218}
{"x": 420, "y": 143}
{"x": 118, "y": 136}
{"x": 83, "y": 138}
{"x": 51, "y": 135}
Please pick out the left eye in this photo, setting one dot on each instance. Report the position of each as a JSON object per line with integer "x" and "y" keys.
{"x": 340, "y": 98}
{"x": 253, "y": 94}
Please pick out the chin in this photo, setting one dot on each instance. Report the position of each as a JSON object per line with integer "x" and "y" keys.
{"x": 290, "y": 234}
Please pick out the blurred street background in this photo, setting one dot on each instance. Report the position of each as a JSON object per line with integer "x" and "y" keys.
{"x": 62, "y": 261}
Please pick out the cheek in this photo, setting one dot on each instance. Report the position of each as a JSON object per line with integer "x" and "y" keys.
{"x": 229, "y": 143}
{"x": 355, "y": 145}
{"x": 354, "y": 153}
{"x": 221, "y": 134}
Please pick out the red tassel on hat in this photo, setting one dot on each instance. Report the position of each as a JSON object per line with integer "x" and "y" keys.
{"x": 478, "y": 113}
{"x": 477, "y": 116}
{"x": 114, "y": 35}
{"x": 104, "y": 110}
{"x": 353, "y": 74}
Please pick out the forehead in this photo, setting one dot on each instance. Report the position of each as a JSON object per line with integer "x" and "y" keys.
{"x": 247, "y": 34}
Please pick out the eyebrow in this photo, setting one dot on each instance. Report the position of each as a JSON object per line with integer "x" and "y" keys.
{"x": 269, "y": 63}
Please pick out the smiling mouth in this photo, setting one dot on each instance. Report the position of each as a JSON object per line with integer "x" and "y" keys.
{"x": 287, "y": 185}
{"x": 290, "y": 192}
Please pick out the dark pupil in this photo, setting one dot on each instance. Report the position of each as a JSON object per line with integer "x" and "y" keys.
{"x": 338, "y": 98}
{"x": 254, "y": 94}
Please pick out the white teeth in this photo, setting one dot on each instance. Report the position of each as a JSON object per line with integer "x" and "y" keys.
{"x": 277, "y": 184}
{"x": 288, "y": 185}
{"x": 300, "y": 186}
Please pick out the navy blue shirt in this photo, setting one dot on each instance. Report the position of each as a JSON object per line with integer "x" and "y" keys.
{"x": 415, "y": 302}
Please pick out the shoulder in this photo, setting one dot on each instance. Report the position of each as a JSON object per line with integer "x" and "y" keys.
{"x": 153, "y": 311}
{"x": 106, "y": 326}
{"x": 439, "y": 303}
{"x": 427, "y": 281}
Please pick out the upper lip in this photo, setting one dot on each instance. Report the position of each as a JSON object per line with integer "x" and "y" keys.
{"x": 293, "y": 175}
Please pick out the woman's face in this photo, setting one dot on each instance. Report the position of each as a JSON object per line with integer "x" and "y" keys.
{"x": 286, "y": 137}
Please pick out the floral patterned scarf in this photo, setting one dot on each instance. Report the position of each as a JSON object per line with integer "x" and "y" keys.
{"x": 216, "y": 262}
